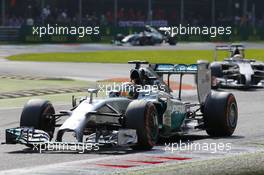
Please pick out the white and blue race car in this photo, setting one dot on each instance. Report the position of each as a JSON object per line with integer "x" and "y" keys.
{"x": 236, "y": 71}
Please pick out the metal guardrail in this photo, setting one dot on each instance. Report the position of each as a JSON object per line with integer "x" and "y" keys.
{"x": 9, "y": 33}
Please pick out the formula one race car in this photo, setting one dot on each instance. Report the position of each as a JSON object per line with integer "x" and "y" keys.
{"x": 150, "y": 36}
{"x": 236, "y": 71}
{"x": 136, "y": 114}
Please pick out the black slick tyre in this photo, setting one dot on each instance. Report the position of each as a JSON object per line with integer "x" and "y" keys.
{"x": 142, "y": 116}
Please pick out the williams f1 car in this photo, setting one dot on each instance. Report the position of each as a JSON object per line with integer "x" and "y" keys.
{"x": 136, "y": 114}
{"x": 236, "y": 71}
{"x": 150, "y": 36}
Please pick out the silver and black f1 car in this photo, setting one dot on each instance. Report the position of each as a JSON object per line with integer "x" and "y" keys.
{"x": 150, "y": 36}
{"x": 135, "y": 115}
{"x": 236, "y": 71}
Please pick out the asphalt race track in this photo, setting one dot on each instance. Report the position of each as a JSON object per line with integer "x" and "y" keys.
{"x": 248, "y": 138}
{"x": 245, "y": 155}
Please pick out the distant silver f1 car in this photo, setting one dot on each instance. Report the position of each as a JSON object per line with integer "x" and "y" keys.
{"x": 236, "y": 71}
{"x": 135, "y": 115}
{"x": 149, "y": 36}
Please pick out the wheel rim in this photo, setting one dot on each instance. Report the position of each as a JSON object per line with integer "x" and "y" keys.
{"x": 48, "y": 123}
{"x": 232, "y": 115}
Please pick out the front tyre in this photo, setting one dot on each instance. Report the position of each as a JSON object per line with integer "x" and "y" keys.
{"x": 38, "y": 113}
{"x": 142, "y": 116}
{"x": 220, "y": 114}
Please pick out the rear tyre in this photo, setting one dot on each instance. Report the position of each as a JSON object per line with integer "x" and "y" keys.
{"x": 220, "y": 114}
{"x": 142, "y": 116}
{"x": 38, "y": 113}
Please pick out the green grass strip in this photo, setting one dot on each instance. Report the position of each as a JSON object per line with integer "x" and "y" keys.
{"x": 153, "y": 56}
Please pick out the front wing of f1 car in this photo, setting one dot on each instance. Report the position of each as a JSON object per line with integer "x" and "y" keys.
{"x": 32, "y": 137}
{"x": 234, "y": 84}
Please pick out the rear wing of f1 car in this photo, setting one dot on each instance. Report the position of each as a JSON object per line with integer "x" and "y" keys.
{"x": 201, "y": 70}
{"x": 176, "y": 68}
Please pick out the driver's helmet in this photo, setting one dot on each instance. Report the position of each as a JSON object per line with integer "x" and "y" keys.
{"x": 147, "y": 28}
{"x": 129, "y": 90}
{"x": 126, "y": 90}
{"x": 135, "y": 76}
{"x": 236, "y": 51}
{"x": 237, "y": 56}
{"x": 144, "y": 76}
